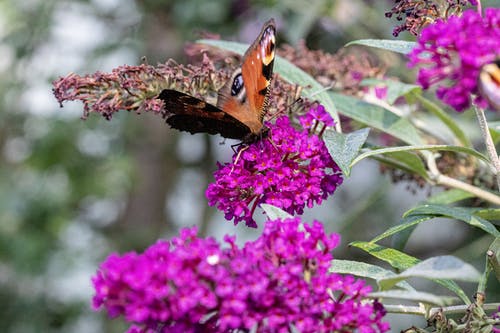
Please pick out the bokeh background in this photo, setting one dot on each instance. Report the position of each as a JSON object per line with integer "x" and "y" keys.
{"x": 73, "y": 191}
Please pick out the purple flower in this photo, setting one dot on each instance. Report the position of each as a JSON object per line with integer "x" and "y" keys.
{"x": 279, "y": 281}
{"x": 450, "y": 54}
{"x": 290, "y": 169}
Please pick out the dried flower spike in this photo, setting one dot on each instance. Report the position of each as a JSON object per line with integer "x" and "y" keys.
{"x": 417, "y": 14}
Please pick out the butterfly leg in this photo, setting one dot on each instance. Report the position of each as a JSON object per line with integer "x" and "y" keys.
{"x": 237, "y": 156}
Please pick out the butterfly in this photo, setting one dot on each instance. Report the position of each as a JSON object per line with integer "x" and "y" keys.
{"x": 489, "y": 83}
{"x": 241, "y": 102}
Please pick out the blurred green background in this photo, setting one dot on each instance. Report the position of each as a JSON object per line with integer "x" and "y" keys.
{"x": 71, "y": 192}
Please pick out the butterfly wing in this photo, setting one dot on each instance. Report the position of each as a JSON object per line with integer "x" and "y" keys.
{"x": 245, "y": 95}
{"x": 241, "y": 101}
{"x": 190, "y": 114}
{"x": 489, "y": 83}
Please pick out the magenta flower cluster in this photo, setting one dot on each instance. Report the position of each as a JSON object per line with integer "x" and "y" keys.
{"x": 277, "y": 283}
{"x": 451, "y": 54}
{"x": 289, "y": 169}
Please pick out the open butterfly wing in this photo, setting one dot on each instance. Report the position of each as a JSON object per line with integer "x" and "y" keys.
{"x": 245, "y": 95}
{"x": 241, "y": 101}
{"x": 257, "y": 69}
{"x": 190, "y": 114}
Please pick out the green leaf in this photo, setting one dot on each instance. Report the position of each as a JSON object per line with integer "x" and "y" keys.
{"x": 494, "y": 127}
{"x": 410, "y": 161}
{"x": 449, "y": 197}
{"x": 457, "y": 149}
{"x": 274, "y": 213}
{"x": 404, "y": 223}
{"x": 395, "y": 89}
{"x": 494, "y": 257}
{"x": 415, "y": 217}
{"x": 377, "y": 117}
{"x": 396, "y": 259}
{"x": 365, "y": 270}
{"x": 345, "y": 147}
{"x": 386, "y": 44}
{"x": 403, "y": 162}
{"x": 415, "y": 296}
{"x": 445, "y": 118}
{"x": 289, "y": 72}
{"x": 487, "y": 213}
{"x": 402, "y": 235}
{"x": 442, "y": 267}
{"x": 402, "y": 261}
{"x": 459, "y": 213}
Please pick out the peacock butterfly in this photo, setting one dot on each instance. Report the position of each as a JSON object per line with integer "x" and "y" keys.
{"x": 489, "y": 83}
{"x": 241, "y": 102}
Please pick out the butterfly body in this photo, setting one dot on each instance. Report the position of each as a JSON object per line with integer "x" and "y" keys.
{"x": 241, "y": 102}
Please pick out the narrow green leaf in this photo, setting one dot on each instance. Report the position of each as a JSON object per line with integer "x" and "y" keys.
{"x": 442, "y": 267}
{"x": 345, "y": 147}
{"x": 289, "y": 72}
{"x": 365, "y": 270}
{"x": 400, "y": 239}
{"x": 411, "y": 160}
{"x": 403, "y": 163}
{"x": 386, "y": 44}
{"x": 488, "y": 213}
{"x": 415, "y": 296}
{"x": 410, "y": 221}
{"x": 274, "y": 213}
{"x": 402, "y": 261}
{"x": 395, "y": 89}
{"x": 494, "y": 257}
{"x": 404, "y": 223}
{"x": 377, "y": 117}
{"x": 461, "y": 136}
{"x": 449, "y": 197}
{"x": 396, "y": 259}
{"x": 457, "y": 149}
{"x": 459, "y": 213}
{"x": 494, "y": 127}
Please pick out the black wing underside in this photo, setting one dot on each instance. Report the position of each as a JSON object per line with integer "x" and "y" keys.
{"x": 190, "y": 114}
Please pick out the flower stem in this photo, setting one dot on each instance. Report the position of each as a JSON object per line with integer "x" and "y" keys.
{"x": 422, "y": 311}
{"x": 478, "y": 192}
{"x": 444, "y": 180}
{"x": 490, "y": 146}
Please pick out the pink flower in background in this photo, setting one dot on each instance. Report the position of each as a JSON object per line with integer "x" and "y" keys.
{"x": 450, "y": 55}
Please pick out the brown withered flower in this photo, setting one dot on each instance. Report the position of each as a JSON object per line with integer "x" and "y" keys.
{"x": 136, "y": 88}
{"x": 416, "y": 14}
{"x": 341, "y": 71}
